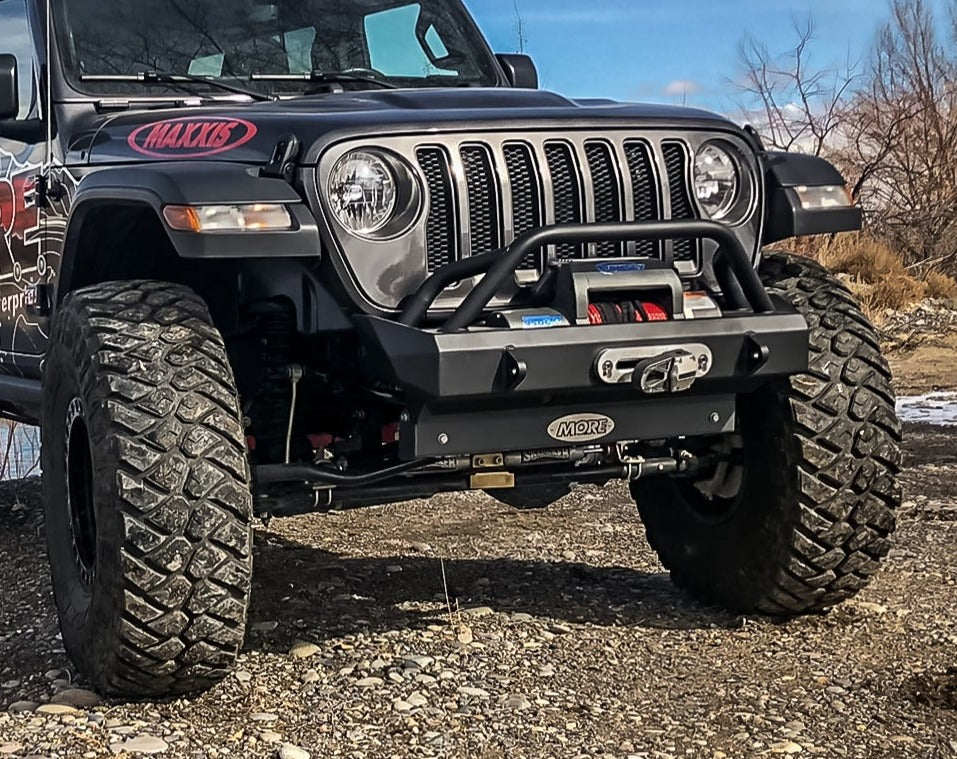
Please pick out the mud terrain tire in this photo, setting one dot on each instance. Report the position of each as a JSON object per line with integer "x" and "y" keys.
{"x": 146, "y": 490}
{"x": 815, "y": 509}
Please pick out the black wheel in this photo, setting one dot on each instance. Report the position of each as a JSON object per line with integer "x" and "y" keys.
{"x": 800, "y": 511}
{"x": 146, "y": 490}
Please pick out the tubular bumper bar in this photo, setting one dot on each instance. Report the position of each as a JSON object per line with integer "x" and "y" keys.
{"x": 732, "y": 265}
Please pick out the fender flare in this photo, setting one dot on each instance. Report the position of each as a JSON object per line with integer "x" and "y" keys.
{"x": 155, "y": 185}
{"x": 786, "y": 216}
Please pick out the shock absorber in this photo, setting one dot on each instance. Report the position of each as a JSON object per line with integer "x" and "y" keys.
{"x": 270, "y": 403}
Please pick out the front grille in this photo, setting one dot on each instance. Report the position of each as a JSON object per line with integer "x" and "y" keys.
{"x": 483, "y": 193}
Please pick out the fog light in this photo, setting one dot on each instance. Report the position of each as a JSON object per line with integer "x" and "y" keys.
{"x": 823, "y": 198}
{"x": 256, "y": 217}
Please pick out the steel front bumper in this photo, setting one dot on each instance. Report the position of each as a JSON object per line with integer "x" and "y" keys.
{"x": 474, "y": 390}
{"x": 462, "y": 390}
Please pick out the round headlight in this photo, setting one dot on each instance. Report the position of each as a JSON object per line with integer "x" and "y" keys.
{"x": 362, "y": 192}
{"x": 717, "y": 181}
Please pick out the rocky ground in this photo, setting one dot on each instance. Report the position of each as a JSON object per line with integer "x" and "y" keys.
{"x": 921, "y": 343}
{"x": 565, "y": 639}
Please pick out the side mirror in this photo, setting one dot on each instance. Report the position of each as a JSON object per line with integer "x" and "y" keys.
{"x": 9, "y": 91}
{"x": 519, "y": 70}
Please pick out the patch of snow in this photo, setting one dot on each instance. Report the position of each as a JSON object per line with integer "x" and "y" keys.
{"x": 934, "y": 408}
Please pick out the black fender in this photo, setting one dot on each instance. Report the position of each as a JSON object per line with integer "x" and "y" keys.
{"x": 785, "y": 215}
{"x": 156, "y": 185}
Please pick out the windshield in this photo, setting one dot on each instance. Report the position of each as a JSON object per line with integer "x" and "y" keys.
{"x": 271, "y": 47}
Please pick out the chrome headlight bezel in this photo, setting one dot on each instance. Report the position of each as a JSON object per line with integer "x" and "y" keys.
{"x": 402, "y": 194}
{"x": 738, "y": 204}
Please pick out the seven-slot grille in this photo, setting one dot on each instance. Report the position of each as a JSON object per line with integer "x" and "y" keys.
{"x": 482, "y": 195}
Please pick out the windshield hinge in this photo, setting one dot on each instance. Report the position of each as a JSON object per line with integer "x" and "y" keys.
{"x": 282, "y": 164}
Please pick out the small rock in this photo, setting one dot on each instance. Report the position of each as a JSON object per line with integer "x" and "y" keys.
{"x": 264, "y": 626}
{"x": 264, "y": 717}
{"x": 518, "y": 702}
{"x": 243, "y": 676}
{"x": 289, "y": 751}
{"x": 464, "y": 635}
{"x": 479, "y": 611}
{"x": 20, "y": 707}
{"x": 417, "y": 700}
{"x": 418, "y": 662}
{"x": 558, "y": 629}
{"x": 396, "y": 677}
{"x": 303, "y": 650}
{"x": 56, "y": 709}
{"x": 788, "y": 747}
{"x": 370, "y": 682}
{"x": 401, "y": 706}
{"x": 420, "y": 547}
{"x": 393, "y": 569}
{"x": 473, "y": 692}
{"x": 521, "y": 616}
{"x": 268, "y": 736}
{"x": 142, "y": 744}
{"x": 10, "y": 748}
{"x": 78, "y": 697}
{"x": 311, "y": 676}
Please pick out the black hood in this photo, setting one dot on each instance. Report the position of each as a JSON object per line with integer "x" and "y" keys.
{"x": 248, "y": 132}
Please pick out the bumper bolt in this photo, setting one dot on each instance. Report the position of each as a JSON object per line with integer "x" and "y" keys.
{"x": 443, "y": 439}
{"x": 715, "y": 418}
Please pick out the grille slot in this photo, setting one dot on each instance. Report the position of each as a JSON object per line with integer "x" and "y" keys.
{"x": 526, "y": 195}
{"x": 676, "y": 166}
{"x": 609, "y": 205}
{"x": 645, "y": 190}
{"x": 483, "y": 199}
{"x": 440, "y": 230}
{"x": 568, "y": 194}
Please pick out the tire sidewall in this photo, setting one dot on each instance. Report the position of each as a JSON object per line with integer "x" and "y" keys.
{"x": 89, "y": 613}
{"x": 730, "y": 553}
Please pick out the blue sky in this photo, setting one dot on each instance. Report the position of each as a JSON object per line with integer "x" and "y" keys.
{"x": 670, "y": 51}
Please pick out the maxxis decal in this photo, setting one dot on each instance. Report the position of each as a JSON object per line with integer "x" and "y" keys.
{"x": 191, "y": 136}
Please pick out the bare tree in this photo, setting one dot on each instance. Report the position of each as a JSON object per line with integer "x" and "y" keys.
{"x": 890, "y": 125}
{"x": 520, "y": 28}
{"x": 800, "y": 107}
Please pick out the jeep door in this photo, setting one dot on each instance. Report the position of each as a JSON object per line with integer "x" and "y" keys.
{"x": 22, "y": 148}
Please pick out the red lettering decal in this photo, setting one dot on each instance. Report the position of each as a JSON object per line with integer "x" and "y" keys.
{"x": 191, "y": 137}
{"x": 156, "y": 136}
{"x": 225, "y": 133}
{"x": 172, "y": 136}
{"x": 186, "y": 141}
{"x": 203, "y": 140}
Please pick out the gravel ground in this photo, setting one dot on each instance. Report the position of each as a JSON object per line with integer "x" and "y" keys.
{"x": 565, "y": 639}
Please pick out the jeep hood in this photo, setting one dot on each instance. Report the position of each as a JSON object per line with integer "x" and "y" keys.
{"x": 248, "y": 133}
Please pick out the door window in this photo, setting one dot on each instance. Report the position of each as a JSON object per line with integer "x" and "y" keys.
{"x": 16, "y": 38}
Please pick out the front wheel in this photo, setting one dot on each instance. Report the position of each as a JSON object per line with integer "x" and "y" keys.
{"x": 800, "y": 511}
{"x": 146, "y": 490}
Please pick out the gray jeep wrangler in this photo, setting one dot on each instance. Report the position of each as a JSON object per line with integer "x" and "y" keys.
{"x": 265, "y": 258}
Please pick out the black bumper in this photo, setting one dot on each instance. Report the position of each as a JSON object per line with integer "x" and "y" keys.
{"x": 480, "y": 390}
{"x": 461, "y": 403}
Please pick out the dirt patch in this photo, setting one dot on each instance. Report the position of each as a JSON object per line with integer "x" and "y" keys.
{"x": 921, "y": 346}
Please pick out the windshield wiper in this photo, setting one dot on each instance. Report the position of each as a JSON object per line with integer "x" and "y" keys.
{"x": 324, "y": 77}
{"x": 156, "y": 77}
